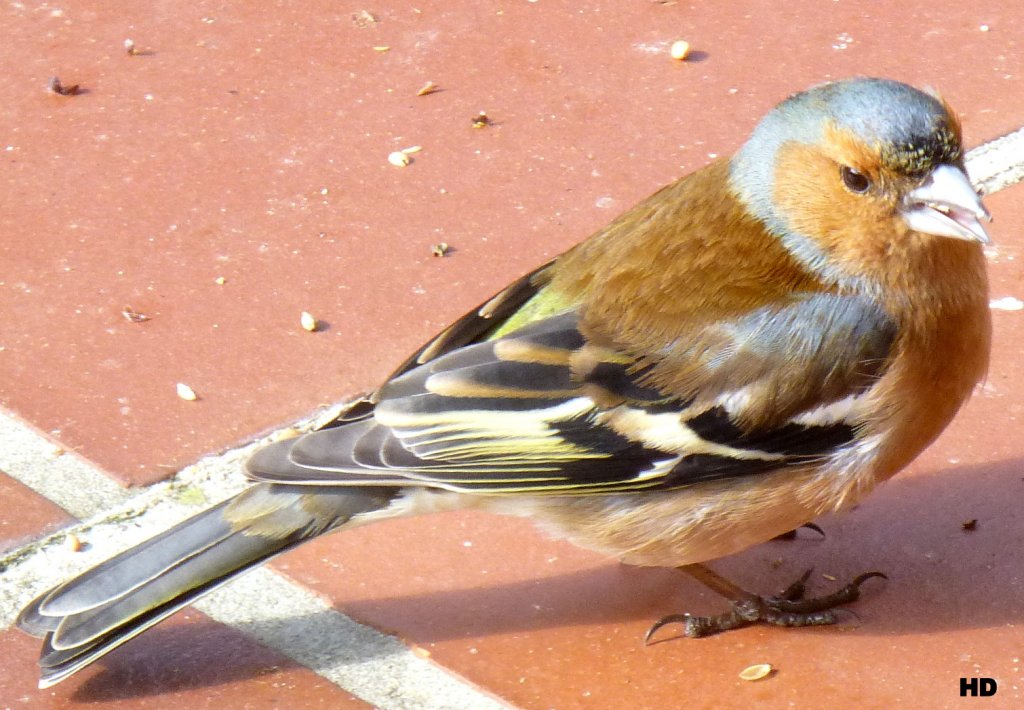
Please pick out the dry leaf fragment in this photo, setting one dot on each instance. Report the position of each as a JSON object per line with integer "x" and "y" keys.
{"x": 481, "y": 120}
{"x": 56, "y": 87}
{"x": 186, "y": 393}
{"x": 285, "y": 434}
{"x": 364, "y": 18}
{"x": 309, "y": 321}
{"x": 757, "y": 671}
{"x": 133, "y": 315}
{"x": 382, "y": 48}
{"x": 428, "y": 88}
{"x": 969, "y": 525}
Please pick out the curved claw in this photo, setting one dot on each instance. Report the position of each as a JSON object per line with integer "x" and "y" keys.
{"x": 791, "y": 535}
{"x": 815, "y": 528}
{"x": 664, "y": 621}
{"x": 860, "y": 579}
{"x": 797, "y": 589}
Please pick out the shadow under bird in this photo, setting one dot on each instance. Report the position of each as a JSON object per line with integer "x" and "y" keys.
{"x": 760, "y": 342}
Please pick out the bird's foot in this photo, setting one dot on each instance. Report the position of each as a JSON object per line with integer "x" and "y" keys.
{"x": 788, "y": 608}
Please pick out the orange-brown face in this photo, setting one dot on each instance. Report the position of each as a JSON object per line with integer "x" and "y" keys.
{"x": 834, "y": 192}
{"x": 850, "y": 197}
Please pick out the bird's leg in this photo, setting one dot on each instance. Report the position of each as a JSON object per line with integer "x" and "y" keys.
{"x": 789, "y": 608}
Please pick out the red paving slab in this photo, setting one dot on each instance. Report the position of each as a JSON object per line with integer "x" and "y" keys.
{"x": 25, "y": 514}
{"x": 189, "y": 661}
{"x": 249, "y": 143}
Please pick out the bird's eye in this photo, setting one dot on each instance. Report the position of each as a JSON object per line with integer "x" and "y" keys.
{"x": 854, "y": 181}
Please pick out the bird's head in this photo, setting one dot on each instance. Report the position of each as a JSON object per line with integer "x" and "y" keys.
{"x": 854, "y": 172}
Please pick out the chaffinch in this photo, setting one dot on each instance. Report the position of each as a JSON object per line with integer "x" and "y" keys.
{"x": 760, "y": 342}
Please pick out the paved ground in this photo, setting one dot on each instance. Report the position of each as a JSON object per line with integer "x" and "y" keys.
{"x": 234, "y": 173}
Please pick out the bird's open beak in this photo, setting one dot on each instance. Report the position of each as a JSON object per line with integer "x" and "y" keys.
{"x": 947, "y": 206}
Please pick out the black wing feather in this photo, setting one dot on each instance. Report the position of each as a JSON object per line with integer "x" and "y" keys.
{"x": 513, "y": 415}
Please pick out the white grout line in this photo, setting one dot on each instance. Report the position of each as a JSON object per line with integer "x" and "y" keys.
{"x": 378, "y": 668}
{"x": 42, "y": 563}
{"x": 998, "y": 163}
{"x": 281, "y": 614}
{"x": 64, "y": 478}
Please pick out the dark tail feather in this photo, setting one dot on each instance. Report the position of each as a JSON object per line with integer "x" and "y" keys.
{"x": 96, "y": 612}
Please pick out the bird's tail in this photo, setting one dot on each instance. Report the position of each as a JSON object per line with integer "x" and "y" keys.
{"x": 89, "y": 616}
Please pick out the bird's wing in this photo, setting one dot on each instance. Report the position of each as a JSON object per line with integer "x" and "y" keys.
{"x": 543, "y": 410}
